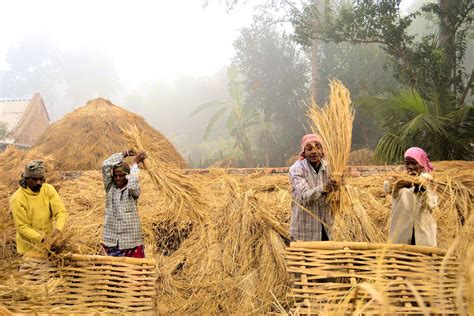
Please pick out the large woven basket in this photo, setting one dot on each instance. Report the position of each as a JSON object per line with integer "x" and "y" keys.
{"x": 365, "y": 278}
{"x": 83, "y": 283}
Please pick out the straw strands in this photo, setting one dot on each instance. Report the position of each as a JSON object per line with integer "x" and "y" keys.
{"x": 229, "y": 259}
{"x": 333, "y": 123}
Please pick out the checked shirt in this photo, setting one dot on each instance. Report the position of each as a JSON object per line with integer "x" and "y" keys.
{"x": 122, "y": 224}
{"x": 307, "y": 197}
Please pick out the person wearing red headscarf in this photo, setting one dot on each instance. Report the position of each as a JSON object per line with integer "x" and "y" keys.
{"x": 311, "y": 217}
{"x": 412, "y": 221}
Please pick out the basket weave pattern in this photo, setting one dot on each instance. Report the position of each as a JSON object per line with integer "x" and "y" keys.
{"x": 346, "y": 277}
{"x": 88, "y": 284}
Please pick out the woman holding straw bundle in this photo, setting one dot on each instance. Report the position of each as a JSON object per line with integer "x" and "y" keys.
{"x": 311, "y": 217}
{"x": 122, "y": 231}
{"x": 412, "y": 220}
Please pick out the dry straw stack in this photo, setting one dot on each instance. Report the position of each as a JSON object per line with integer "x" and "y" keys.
{"x": 84, "y": 138}
{"x": 229, "y": 258}
{"x": 229, "y": 262}
{"x": 333, "y": 123}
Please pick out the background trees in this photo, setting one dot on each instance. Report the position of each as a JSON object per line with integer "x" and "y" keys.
{"x": 432, "y": 65}
{"x": 275, "y": 79}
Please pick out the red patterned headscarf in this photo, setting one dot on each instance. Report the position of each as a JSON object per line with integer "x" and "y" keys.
{"x": 308, "y": 138}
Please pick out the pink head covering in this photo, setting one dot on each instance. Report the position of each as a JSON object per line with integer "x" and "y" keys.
{"x": 308, "y": 138}
{"x": 420, "y": 156}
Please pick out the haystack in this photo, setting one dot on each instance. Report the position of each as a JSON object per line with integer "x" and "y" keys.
{"x": 84, "y": 138}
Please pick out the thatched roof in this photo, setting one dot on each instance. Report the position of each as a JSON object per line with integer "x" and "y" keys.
{"x": 84, "y": 138}
{"x": 24, "y": 119}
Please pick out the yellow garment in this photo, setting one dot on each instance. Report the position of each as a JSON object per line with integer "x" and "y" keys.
{"x": 33, "y": 214}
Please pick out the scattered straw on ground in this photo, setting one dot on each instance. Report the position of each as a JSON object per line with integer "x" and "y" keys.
{"x": 224, "y": 256}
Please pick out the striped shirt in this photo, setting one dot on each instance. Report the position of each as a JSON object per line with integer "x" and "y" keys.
{"x": 122, "y": 224}
{"x": 307, "y": 187}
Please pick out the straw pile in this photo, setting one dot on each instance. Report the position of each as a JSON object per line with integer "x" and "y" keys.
{"x": 84, "y": 138}
{"x": 225, "y": 256}
{"x": 218, "y": 239}
{"x": 230, "y": 257}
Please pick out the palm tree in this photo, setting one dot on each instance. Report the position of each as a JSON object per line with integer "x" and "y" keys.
{"x": 446, "y": 132}
{"x": 239, "y": 118}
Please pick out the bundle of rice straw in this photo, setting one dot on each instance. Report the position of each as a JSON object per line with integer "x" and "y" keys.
{"x": 174, "y": 187}
{"x": 454, "y": 189}
{"x": 230, "y": 258}
{"x": 333, "y": 123}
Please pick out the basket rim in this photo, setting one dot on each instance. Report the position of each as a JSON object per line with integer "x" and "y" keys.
{"x": 340, "y": 245}
{"x": 80, "y": 257}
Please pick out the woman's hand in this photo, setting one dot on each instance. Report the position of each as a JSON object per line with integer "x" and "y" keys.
{"x": 139, "y": 158}
{"x": 331, "y": 186}
{"x": 129, "y": 153}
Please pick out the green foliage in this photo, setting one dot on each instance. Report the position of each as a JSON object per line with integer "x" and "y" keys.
{"x": 363, "y": 70}
{"x": 410, "y": 120}
{"x": 239, "y": 118}
{"x": 275, "y": 78}
{"x": 436, "y": 116}
{"x": 433, "y": 65}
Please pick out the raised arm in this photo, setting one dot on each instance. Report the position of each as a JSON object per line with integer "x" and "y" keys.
{"x": 133, "y": 179}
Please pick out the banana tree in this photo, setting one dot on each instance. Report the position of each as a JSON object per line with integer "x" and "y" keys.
{"x": 238, "y": 118}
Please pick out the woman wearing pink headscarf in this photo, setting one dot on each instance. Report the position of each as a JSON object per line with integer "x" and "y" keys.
{"x": 412, "y": 220}
{"x": 311, "y": 217}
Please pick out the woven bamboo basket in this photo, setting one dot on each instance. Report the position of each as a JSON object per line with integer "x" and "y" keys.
{"x": 85, "y": 284}
{"x": 366, "y": 278}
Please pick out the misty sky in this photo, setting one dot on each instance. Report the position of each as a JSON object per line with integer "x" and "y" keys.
{"x": 147, "y": 40}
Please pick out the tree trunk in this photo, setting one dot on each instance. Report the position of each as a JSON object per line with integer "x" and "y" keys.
{"x": 314, "y": 58}
{"x": 314, "y": 71}
{"x": 447, "y": 41}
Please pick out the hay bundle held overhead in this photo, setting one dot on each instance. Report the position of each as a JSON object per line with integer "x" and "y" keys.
{"x": 333, "y": 123}
{"x": 84, "y": 138}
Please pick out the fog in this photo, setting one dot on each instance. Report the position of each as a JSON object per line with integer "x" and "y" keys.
{"x": 162, "y": 59}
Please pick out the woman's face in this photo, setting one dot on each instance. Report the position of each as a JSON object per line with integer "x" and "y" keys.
{"x": 413, "y": 167}
{"x": 313, "y": 152}
{"x": 120, "y": 178}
